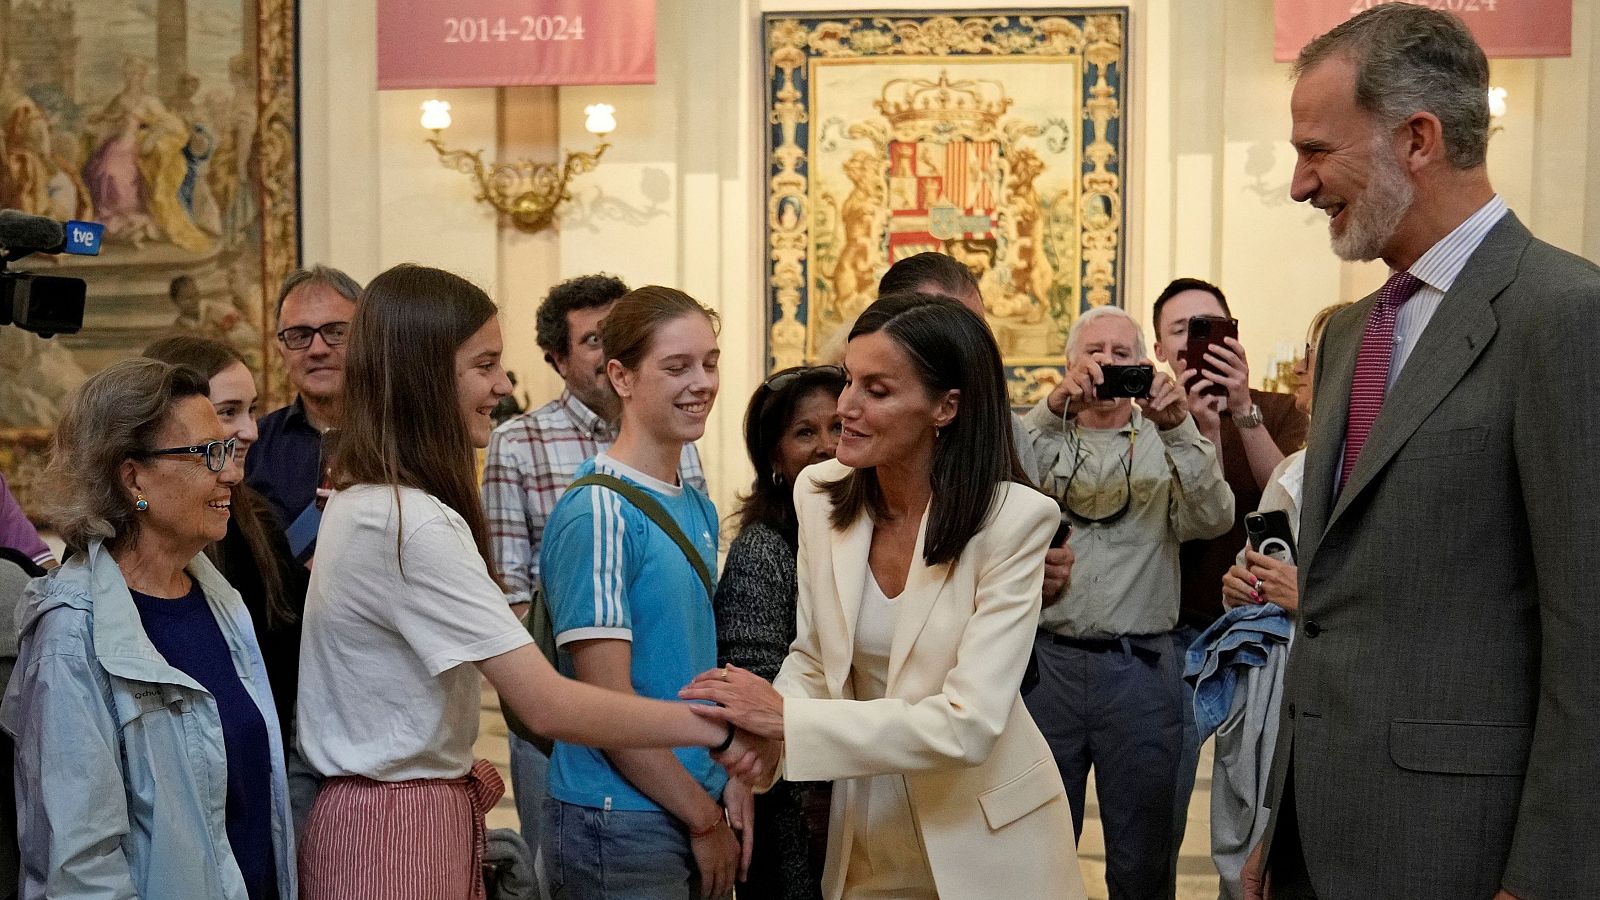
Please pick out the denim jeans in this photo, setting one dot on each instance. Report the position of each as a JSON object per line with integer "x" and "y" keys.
{"x": 530, "y": 769}
{"x": 616, "y": 854}
{"x": 1189, "y": 760}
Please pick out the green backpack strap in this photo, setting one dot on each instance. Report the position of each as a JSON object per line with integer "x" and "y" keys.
{"x": 537, "y": 622}
{"x": 654, "y": 511}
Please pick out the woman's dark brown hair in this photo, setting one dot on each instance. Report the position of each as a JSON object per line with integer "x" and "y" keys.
{"x": 950, "y": 349}
{"x": 250, "y": 512}
{"x": 771, "y": 498}
{"x": 402, "y": 415}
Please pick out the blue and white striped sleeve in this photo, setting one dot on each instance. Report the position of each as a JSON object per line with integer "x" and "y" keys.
{"x": 585, "y": 567}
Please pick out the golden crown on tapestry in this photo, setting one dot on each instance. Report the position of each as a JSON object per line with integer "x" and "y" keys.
{"x": 915, "y": 106}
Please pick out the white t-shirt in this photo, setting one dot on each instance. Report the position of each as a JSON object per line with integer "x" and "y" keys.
{"x": 383, "y": 692}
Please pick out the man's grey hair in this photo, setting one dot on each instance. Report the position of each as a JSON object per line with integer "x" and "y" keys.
{"x": 1411, "y": 59}
{"x": 1102, "y": 312}
{"x": 326, "y": 276}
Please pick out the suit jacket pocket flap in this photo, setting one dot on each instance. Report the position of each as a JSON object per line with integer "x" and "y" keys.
{"x": 1426, "y": 444}
{"x": 1460, "y": 748}
{"x": 1005, "y": 803}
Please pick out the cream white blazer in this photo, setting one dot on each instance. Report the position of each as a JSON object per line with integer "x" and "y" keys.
{"x": 984, "y": 790}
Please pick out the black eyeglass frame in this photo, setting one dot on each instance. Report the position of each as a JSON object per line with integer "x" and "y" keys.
{"x": 230, "y": 448}
{"x": 310, "y": 334}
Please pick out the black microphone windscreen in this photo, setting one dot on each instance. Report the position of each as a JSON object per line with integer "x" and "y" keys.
{"x": 20, "y": 231}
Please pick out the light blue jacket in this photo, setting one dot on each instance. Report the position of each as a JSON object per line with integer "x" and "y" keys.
{"x": 121, "y": 773}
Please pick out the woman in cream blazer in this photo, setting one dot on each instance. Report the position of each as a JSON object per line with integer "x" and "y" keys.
{"x": 946, "y": 788}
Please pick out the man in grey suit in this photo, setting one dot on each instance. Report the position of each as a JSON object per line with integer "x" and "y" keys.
{"x": 1440, "y": 733}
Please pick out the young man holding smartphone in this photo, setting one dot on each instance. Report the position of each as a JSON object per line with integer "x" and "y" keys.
{"x": 1253, "y": 431}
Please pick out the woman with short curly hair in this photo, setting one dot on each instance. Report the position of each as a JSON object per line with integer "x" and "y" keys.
{"x": 149, "y": 759}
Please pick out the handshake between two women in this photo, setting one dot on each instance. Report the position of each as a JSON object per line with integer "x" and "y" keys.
{"x": 752, "y": 705}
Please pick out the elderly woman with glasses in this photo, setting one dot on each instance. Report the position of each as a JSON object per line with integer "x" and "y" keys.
{"x": 149, "y": 760}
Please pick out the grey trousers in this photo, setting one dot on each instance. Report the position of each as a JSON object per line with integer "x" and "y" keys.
{"x": 1116, "y": 706}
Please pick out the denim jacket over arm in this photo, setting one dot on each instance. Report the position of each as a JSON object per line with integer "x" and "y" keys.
{"x": 121, "y": 772}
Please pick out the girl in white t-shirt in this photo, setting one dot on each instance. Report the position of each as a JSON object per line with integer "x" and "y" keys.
{"x": 401, "y": 601}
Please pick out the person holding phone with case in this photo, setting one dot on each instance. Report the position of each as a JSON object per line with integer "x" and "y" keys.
{"x": 1256, "y": 578}
{"x": 1244, "y": 746}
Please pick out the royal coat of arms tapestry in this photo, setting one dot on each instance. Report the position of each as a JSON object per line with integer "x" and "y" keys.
{"x": 997, "y": 139}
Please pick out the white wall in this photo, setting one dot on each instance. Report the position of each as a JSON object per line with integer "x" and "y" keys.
{"x": 677, "y": 198}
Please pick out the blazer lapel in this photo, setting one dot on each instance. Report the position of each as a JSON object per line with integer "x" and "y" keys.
{"x": 1454, "y": 339}
{"x": 1336, "y": 366}
{"x": 924, "y": 583}
{"x": 850, "y": 548}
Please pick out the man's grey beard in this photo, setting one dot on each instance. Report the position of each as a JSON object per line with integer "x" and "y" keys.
{"x": 1376, "y": 214}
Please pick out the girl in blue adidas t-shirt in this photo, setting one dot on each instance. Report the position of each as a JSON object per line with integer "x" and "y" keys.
{"x": 632, "y": 614}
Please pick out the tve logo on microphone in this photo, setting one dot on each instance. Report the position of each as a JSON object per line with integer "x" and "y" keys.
{"x": 83, "y": 238}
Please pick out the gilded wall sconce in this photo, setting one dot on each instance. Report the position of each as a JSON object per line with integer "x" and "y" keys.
{"x": 527, "y": 192}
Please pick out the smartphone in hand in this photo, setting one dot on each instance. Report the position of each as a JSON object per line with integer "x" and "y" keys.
{"x": 1270, "y": 535}
{"x": 1063, "y": 531}
{"x": 1206, "y": 332}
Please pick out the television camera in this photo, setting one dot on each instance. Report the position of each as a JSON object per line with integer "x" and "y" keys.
{"x": 46, "y": 305}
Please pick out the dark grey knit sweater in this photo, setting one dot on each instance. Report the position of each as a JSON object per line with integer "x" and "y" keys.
{"x": 755, "y": 609}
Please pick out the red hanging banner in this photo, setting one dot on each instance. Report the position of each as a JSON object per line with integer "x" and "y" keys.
{"x": 494, "y": 43}
{"x": 1503, "y": 27}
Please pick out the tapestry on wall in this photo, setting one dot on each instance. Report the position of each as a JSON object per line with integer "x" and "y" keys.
{"x": 996, "y": 138}
{"x": 171, "y": 122}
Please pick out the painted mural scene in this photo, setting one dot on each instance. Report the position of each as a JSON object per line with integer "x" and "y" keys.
{"x": 140, "y": 116}
{"x": 795, "y": 450}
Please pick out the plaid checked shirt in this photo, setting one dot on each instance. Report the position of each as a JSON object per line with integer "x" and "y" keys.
{"x": 531, "y": 460}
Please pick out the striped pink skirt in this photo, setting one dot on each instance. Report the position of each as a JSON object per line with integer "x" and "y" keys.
{"x": 403, "y": 840}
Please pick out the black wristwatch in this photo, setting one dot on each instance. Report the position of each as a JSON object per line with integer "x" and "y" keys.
{"x": 727, "y": 741}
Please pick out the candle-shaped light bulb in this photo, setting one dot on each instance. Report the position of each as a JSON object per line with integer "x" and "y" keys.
{"x": 601, "y": 119}
{"x": 435, "y": 115}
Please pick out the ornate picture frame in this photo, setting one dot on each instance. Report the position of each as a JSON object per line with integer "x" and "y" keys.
{"x": 997, "y": 137}
{"x": 174, "y": 124}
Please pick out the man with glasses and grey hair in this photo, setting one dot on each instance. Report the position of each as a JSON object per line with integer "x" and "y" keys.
{"x": 315, "y": 306}
{"x": 1441, "y": 707}
{"x": 1137, "y": 478}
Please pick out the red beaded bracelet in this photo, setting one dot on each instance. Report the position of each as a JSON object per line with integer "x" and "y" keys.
{"x": 698, "y": 833}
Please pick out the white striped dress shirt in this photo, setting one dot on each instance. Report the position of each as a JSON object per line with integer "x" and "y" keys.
{"x": 1438, "y": 270}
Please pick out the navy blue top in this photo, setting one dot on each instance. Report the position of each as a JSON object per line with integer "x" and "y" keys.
{"x": 186, "y": 633}
{"x": 285, "y": 463}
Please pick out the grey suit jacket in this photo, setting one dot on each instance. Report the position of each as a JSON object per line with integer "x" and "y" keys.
{"x": 1442, "y": 702}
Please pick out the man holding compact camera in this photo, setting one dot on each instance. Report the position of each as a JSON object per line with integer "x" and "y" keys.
{"x": 1120, "y": 451}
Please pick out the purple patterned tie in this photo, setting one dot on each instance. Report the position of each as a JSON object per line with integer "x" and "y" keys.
{"x": 1372, "y": 367}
